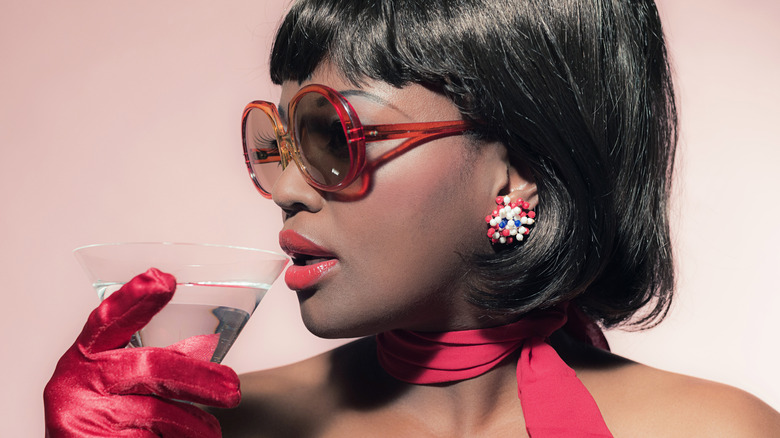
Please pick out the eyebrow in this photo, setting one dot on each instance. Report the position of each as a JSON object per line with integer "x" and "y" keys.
{"x": 371, "y": 97}
{"x": 366, "y": 94}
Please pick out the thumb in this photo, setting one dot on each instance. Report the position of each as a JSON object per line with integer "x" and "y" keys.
{"x": 113, "y": 322}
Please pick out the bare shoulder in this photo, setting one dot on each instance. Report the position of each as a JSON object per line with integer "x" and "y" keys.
{"x": 284, "y": 401}
{"x": 309, "y": 398}
{"x": 715, "y": 408}
{"x": 299, "y": 400}
{"x": 637, "y": 400}
{"x": 694, "y": 407}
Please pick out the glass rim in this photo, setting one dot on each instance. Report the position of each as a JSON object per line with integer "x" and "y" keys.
{"x": 180, "y": 244}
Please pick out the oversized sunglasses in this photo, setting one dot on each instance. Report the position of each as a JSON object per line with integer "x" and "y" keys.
{"x": 325, "y": 139}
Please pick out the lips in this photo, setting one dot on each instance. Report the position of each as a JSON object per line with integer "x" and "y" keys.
{"x": 311, "y": 262}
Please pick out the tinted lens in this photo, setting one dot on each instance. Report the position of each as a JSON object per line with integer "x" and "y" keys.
{"x": 321, "y": 139}
{"x": 262, "y": 148}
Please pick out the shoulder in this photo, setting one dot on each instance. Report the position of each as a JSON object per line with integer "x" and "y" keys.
{"x": 300, "y": 399}
{"x": 284, "y": 401}
{"x": 638, "y": 400}
{"x": 715, "y": 408}
{"x": 694, "y": 407}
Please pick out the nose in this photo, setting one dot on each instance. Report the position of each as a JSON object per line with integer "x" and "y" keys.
{"x": 292, "y": 193}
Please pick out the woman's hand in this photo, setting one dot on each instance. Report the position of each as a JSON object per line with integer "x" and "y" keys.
{"x": 101, "y": 389}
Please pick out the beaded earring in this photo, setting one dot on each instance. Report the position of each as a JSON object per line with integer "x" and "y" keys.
{"x": 509, "y": 222}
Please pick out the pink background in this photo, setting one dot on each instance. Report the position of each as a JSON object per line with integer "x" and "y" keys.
{"x": 119, "y": 121}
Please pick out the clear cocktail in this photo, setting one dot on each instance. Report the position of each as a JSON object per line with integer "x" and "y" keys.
{"x": 218, "y": 287}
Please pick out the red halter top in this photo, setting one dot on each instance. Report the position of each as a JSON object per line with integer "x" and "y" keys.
{"x": 555, "y": 402}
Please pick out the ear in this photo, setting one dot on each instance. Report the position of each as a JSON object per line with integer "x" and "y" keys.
{"x": 510, "y": 180}
{"x": 521, "y": 184}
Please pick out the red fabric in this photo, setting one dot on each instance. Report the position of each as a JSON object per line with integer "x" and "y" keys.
{"x": 582, "y": 328}
{"x": 101, "y": 389}
{"x": 555, "y": 403}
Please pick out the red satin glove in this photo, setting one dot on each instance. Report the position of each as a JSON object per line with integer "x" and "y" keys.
{"x": 100, "y": 389}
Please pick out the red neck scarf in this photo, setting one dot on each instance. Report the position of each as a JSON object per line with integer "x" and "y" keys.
{"x": 555, "y": 403}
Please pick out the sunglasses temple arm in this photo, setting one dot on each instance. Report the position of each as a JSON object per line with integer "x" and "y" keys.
{"x": 368, "y": 169}
{"x": 413, "y": 130}
{"x": 407, "y": 146}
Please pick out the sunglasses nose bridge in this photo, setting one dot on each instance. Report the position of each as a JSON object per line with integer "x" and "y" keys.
{"x": 286, "y": 147}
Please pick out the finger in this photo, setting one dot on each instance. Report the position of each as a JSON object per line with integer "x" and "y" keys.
{"x": 101, "y": 419}
{"x": 169, "y": 374}
{"x": 167, "y": 418}
{"x": 126, "y": 433}
{"x": 134, "y": 433}
{"x": 176, "y": 419}
{"x": 201, "y": 347}
{"x": 126, "y": 311}
{"x": 142, "y": 416}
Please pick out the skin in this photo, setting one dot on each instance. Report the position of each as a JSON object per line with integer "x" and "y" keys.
{"x": 425, "y": 207}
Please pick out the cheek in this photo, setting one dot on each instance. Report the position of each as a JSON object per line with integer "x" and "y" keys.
{"x": 402, "y": 245}
{"x": 424, "y": 179}
{"x": 423, "y": 211}
{"x": 424, "y": 192}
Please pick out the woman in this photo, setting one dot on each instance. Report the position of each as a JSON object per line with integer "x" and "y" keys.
{"x": 563, "y": 110}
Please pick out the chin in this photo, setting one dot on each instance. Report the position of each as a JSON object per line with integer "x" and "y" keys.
{"x": 337, "y": 326}
{"x": 333, "y": 331}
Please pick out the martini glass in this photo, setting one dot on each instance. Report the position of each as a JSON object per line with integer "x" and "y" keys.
{"x": 217, "y": 287}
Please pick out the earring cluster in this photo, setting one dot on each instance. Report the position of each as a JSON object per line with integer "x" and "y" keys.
{"x": 509, "y": 222}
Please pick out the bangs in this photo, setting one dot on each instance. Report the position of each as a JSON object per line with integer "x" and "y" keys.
{"x": 355, "y": 39}
{"x": 397, "y": 42}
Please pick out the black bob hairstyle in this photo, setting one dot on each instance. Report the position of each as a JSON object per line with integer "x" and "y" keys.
{"x": 579, "y": 92}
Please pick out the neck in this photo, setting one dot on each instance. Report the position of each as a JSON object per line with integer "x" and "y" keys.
{"x": 466, "y": 373}
{"x": 477, "y": 406}
{"x": 424, "y": 358}
{"x": 468, "y": 377}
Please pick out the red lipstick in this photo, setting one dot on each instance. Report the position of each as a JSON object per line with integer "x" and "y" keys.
{"x": 311, "y": 262}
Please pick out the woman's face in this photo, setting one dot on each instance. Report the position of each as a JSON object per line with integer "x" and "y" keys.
{"x": 392, "y": 258}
